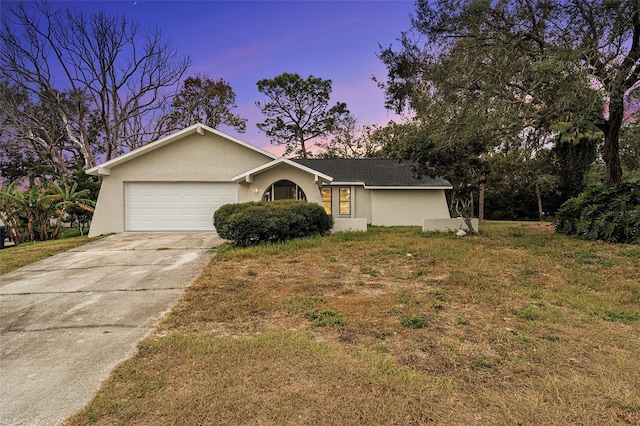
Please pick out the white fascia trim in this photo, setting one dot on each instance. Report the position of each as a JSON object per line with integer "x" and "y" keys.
{"x": 102, "y": 171}
{"x": 388, "y": 187}
{"x": 347, "y": 184}
{"x": 409, "y": 187}
{"x": 249, "y": 174}
{"x": 201, "y": 129}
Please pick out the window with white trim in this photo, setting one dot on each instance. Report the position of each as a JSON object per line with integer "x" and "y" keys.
{"x": 284, "y": 190}
{"x": 345, "y": 201}
{"x": 326, "y": 198}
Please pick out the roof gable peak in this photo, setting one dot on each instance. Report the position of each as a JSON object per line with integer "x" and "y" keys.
{"x": 199, "y": 128}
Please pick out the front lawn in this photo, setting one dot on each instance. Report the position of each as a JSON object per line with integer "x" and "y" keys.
{"x": 27, "y": 253}
{"x": 519, "y": 325}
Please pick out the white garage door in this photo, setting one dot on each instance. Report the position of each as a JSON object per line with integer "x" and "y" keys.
{"x": 175, "y": 206}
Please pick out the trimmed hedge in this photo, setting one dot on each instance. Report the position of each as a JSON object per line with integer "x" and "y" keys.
{"x": 252, "y": 223}
{"x": 602, "y": 212}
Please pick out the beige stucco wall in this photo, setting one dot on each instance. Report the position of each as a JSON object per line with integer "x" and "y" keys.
{"x": 194, "y": 158}
{"x": 363, "y": 203}
{"x": 351, "y": 224}
{"x": 407, "y": 207}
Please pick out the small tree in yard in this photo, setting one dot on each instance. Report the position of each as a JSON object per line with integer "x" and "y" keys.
{"x": 66, "y": 196}
{"x": 435, "y": 155}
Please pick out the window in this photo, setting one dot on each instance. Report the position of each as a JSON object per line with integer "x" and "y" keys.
{"x": 284, "y": 190}
{"x": 326, "y": 199}
{"x": 345, "y": 201}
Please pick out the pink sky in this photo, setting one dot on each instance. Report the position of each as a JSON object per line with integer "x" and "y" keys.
{"x": 245, "y": 41}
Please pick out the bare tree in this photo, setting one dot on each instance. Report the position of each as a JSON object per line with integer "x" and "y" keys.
{"x": 351, "y": 140}
{"x": 106, "y": 80}
{"x": 32, "y": 137}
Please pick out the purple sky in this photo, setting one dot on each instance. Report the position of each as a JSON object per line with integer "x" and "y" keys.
{"x": 245, "y": 41}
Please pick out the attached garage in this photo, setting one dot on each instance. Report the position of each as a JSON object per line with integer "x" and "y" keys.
{"x": 175, "y": 206}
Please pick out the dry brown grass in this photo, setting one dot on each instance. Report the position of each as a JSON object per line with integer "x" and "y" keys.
{"x": 523, "y": 326}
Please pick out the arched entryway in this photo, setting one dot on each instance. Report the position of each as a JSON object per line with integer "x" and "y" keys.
{"x": 283, "y": 190}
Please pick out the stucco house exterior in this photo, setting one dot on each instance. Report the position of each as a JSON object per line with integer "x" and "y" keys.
{"x": 177, "y": 182}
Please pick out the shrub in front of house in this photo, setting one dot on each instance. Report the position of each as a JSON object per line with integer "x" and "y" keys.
{"x": 602, "y": 212}
{"x": 252, "y": 223}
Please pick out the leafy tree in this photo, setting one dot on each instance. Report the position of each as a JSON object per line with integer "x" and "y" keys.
{"x": 202, "y": 100}
{"x": 77, "y": 213}
{"x": 29, "y": 213}
{"x": 297, "y": 111}
{"x": 19, "y": 166}
{"x": 534, "y": 64}
{"x": 521, "y": 181}
{"x": 454, "y": 154}
{"x": 105, "y": 81}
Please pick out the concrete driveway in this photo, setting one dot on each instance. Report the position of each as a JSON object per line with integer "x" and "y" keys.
{"x": 67, "y": 321}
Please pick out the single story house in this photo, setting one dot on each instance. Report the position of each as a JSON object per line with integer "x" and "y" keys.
{"x": 176, "y": 184}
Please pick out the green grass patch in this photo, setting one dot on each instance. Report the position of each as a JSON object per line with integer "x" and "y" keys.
{"x": 625, "y": 317}
{"x": 15, "y": 257}
{"x": 413, "y": 322}
{"x": 325, "y": 317}
{"x": 526, "y": 313}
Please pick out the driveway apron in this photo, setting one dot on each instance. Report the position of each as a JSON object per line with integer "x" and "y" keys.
{"x": 67, "y": 321}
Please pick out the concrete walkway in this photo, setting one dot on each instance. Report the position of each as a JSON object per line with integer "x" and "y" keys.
{"x": 67, "y": 321}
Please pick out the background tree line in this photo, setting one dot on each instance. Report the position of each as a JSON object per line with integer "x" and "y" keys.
{"x": 526, "y": 101}
{"x": 519, "y": 95}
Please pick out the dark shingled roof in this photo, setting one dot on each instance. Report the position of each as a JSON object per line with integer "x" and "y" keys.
{"x": 371, "y": 171}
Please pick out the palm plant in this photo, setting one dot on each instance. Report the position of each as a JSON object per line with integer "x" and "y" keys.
{"x": 27, "y": 213}
{"x": 65, "y": 196}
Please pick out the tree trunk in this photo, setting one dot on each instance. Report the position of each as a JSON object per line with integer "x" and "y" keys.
{"x": 80, "y": 142}
{"x": 481, "y": 202}
{"x": 32, "y": 237}
{"x": 56, "y": 230}
{"x": 11, "y": 228}
{"x": 466, "y": 212}
{"x": 611, "y": 151}
{"x": 469, "y": 223}
{"x": 303, "y": 148}
{"x": 539, "y": 198}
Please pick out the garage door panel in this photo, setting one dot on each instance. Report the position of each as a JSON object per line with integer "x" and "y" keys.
{"x": 181, "y": 206}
